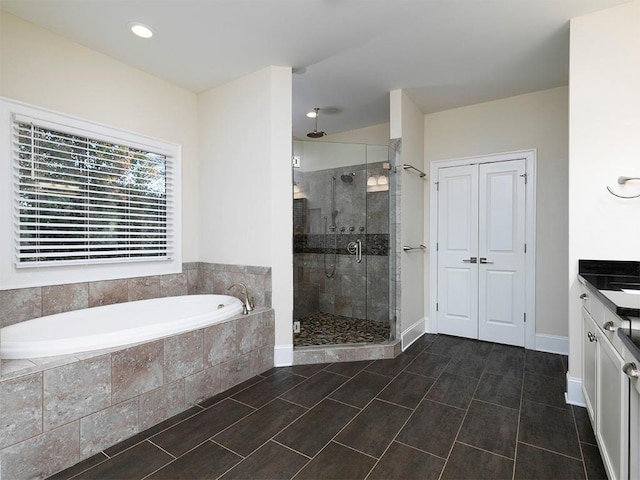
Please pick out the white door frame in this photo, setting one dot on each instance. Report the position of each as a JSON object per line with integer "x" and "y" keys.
{"x": 530, "y": 234}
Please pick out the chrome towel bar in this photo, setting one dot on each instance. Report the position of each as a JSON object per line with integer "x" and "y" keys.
{"x": 407, "y": 248}
{"x": 406, "y": 166}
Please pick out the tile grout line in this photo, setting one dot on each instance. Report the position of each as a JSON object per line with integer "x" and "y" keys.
{"x": 165, "y": 451}
{"x": 235, "y": 453}
{"x": 475, "y": 447}
{"x": 553, "y": 451}
{"x": 288, "y": 447}
{"x": 575, "y": 426}
{"x": 89, "y": 468}
{"x": 515, "y": 453}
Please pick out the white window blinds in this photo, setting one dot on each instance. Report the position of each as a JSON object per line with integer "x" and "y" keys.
{"x": 82, "y": 200}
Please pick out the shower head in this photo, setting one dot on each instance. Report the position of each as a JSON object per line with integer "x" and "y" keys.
{"x": 347, "y": 177}
{"x": 316, "y": 133}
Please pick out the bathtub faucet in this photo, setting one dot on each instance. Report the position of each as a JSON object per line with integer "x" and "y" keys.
{"x": 247, "y": 306}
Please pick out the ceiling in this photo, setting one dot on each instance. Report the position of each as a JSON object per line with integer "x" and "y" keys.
{"x": 346, "y": 54}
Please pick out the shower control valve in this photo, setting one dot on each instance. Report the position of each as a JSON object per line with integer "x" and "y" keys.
{"x": 342, "y": 229}
{"x": 361, "y": 229}
{"x": 351, "y": 229}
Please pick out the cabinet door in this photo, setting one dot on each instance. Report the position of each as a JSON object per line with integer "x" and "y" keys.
{"x": 634, "y": 434}
{"x": 612, "y": 410}
{"x": 589, "y": 344}
{"x": 634, "y": 414}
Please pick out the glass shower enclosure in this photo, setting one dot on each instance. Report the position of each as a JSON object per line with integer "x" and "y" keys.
{"x": 343, "y": 264}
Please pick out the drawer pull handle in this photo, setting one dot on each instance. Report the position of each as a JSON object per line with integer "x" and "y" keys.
{"x": 609, "y": 326}
{"x": 630, "y": 370}
{"x": 584, "y": 296}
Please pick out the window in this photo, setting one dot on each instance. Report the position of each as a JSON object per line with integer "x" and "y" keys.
{"x": 85, "y": 194}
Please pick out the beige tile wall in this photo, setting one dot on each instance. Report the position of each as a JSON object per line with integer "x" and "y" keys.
{"x": 23, "y": 304}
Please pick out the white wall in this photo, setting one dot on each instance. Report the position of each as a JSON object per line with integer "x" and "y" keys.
{"x": 44, "y": 69}
{"x": 245, "y": 181}
{"x": 536, "y": 120}
{"x": 604, "y": 144}
{"x": 407, "y": 123}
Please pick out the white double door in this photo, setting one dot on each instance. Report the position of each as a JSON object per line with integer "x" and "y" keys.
{"x": 481, "y": 251}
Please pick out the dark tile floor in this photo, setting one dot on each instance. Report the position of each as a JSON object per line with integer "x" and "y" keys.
{"x": 447, "y": 408}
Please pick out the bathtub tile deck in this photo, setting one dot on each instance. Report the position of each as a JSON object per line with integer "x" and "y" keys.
{"x": 297, "y": 422}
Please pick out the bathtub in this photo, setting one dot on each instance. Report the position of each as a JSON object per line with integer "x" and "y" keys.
{"x": 114, "y": 325}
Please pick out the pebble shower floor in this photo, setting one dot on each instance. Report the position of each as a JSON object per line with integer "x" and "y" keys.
{"x": 329, "y": 329}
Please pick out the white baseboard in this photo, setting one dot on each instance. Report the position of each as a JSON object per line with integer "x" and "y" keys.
{"x": 283, "y": 355}
{"x": 552, "y": 344}
{"x": 574, "y": 395}
{"x": 413, "y": 333}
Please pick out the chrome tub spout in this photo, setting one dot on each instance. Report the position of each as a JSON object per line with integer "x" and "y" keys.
{"x": 248, "y": 305}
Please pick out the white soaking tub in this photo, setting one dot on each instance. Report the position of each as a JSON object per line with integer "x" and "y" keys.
{"x": 114, "y": 325}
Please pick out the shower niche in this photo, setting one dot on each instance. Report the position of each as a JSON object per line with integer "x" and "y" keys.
{"x": 343, "y": 262}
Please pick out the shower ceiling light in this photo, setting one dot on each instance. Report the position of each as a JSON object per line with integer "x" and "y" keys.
{"x": 141, "y": 30}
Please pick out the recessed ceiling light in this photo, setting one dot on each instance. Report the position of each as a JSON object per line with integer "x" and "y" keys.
{"x": 312, "y": 114}
{"x": 141, "y": 30}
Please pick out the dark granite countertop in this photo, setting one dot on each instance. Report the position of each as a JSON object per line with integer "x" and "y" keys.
{"x": 617, "y": 285}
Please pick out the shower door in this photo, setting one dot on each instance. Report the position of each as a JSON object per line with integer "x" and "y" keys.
{"x": 341, "y": 254}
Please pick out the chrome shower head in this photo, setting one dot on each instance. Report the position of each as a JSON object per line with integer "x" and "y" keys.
{"x": 347, "y": 177}
{"x": 316, "y": 133}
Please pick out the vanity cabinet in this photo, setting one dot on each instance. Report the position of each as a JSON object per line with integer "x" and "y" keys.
{"x": 604, "y": 385}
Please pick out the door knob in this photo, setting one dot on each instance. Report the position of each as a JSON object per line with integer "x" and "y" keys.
{"x": 471, "y": 260}
{"x": 630, "y": 370}
{"x": 484, "y": 260}
{"x": 583, "y": 296}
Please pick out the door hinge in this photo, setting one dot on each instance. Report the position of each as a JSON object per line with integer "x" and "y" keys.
{"x": 437, "y": 186}
{"x": 525, "y": 175}
{"x": 525, "y": 317}
{"x": 525, "y": 248}
{"x": 436, "y": 306}
{"x": 437, "y": 246}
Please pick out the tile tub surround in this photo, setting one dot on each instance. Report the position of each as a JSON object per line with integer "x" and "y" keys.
{"x": 55, "y": 415}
